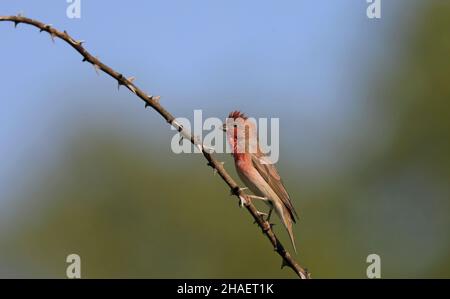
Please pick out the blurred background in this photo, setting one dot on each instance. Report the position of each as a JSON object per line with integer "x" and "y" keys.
{"x": 365, "y": 131}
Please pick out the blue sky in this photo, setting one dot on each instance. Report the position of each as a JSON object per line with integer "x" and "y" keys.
{"x": 306, "y": 62}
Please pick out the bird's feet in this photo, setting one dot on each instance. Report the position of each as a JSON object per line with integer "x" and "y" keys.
{"x": 258, "y": 197}
{"x": 242, "y": 201}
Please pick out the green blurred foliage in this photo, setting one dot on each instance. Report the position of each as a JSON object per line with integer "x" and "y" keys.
{"x": 132, "y": 209}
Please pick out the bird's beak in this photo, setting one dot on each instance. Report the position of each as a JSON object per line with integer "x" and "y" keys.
{"x": 224, "y": 127}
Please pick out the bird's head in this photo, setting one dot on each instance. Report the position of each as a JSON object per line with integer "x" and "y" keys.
{"x": 241, "y": 132}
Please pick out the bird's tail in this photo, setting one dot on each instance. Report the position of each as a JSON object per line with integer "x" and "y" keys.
{"x": 288, "y": 221}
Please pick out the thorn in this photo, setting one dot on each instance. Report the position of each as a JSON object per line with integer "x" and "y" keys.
{"x": 84, "y": 59}
{"x": 131, "y": 87}
{"x": 307, "y": 274}
{"x": 284, "y": 264}
{"x": 198, "y": 143}
{"x": 129, "y": 84}
{"x": 20, "y": 14}
{"x": 146, "y": 104}
{"x": 17, "y": 22}
{"x": 176, "y": 125}
{"x": 76, "y": 42}
{"x": 260, "y": 215}
{"x": 46, "y": 27}
{"x": 208, "y": 149}
{"x": 181, "y": 140}
{"x": 52, "y": 36}
{"x": 96, "y": 68}
{"x": 119, "y": 81}
{"x": 236, "y": 190}
{"x": 199, "y": 146}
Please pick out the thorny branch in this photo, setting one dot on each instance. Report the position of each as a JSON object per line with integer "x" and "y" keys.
{"x": 153, "y": 101}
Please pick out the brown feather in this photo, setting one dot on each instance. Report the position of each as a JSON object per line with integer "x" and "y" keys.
{"x": 270, "y": 174}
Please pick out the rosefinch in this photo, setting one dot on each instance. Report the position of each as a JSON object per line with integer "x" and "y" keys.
{"x": 256, "y": 171}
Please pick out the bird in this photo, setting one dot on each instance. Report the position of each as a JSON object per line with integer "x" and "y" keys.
{"x": 257, "y": 172}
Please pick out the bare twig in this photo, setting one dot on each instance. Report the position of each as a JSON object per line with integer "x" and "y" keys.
{"x": 153, "y": 101}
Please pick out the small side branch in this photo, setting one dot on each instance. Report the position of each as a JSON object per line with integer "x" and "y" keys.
{"x": 153, "y": 101}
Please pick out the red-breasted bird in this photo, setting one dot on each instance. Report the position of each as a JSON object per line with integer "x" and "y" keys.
{"x": 256, "y": 171}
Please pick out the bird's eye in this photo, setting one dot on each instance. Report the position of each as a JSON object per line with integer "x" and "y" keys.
{"x": 235, "y": 126}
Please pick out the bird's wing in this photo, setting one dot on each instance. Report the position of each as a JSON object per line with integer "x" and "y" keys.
{"x": 270, "y": 174}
